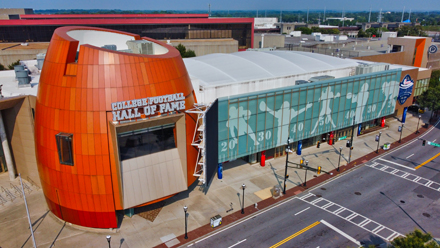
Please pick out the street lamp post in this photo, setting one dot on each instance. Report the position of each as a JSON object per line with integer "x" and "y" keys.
{"x": 401, "y": 131}
{"x": 378, "y": 142}
{"x": 305, "y": 178}
{"x": 418, "y": 124}
{"x": 340, "y": 152}
{"x": 351, "y": 141}
{"x": 185, "y": 208}
{"x": 108, "y": 240}
{"x": 287, "y": 161}
{"x": 242, "y": 206}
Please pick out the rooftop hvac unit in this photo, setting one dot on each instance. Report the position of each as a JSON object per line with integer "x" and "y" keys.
{"x": 370, "y": 68}
{"x": 110, "y": 47}
{"x": 23, "y": 78}
{"x": 321, "y": 78}
{"x": 40, "y": 60}
{"x": 299, "y": 82}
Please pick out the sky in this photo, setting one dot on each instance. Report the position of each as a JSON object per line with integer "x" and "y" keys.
{"x": 347, "y": 5}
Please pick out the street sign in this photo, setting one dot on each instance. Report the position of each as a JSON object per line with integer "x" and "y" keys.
{"x": 342, "y": 138}
{"x": 432, "y": 49}
{"x": 399, "y": 129}
{"x": 433, "y": 144}
{"x": 377, "y": 138}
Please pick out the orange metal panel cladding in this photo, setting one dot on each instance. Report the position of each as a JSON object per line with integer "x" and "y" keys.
{"x": 74, "y": 97}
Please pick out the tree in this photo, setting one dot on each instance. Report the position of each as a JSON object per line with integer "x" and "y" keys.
{"x": 410, "y": 31}
{"x": 2, "y": 67}
{"x": 362, "y": 33}
{"x": 430, "y": 99}
{"x": 415, "y": 239}
{"x": 11, "y": 66}
{"x": 435, "y": 79}
{"x": 372, "y": 32}
{"x": 304, "y": 30}
{"x": 185, "y": 53}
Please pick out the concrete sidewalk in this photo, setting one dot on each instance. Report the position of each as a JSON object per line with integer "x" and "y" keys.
{"x": 203, "y": 203}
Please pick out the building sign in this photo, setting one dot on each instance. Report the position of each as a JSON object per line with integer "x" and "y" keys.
{"x": 432, "y": 49}
{"x": 141, "y": 108}
{"x": 405, "y": 89}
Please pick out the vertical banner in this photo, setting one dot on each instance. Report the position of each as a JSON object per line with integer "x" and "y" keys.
{"x": 298, "y": 150}
{"x": 359, "y": 129}
{"x": 382, "y": 122}
{"x": 404, "y": 114}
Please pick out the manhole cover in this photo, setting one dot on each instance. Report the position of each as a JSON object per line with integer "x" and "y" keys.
{"x": 318, "y": 195}
{"x": 402, "y": 201}
{"x": 420, "y": 196}
{"x": 426, "y": 215}
{"x": 323, "y": 189}
{"x": 357, "y": 193}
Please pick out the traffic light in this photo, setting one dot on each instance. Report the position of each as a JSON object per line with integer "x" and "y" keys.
{"x": 287, "y": 176}
{"x": 319, "y": 170}
{"x": 348, "y": 143}
{"x": 351, "y": 148}
{"x": 424, "y": 142}
{"x": 317, "y": 144}
{"x": 301, "y": 162}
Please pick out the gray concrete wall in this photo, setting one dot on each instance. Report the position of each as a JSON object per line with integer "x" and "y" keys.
{"x": 270, "y": 40}
{"x": 208, "y": 46}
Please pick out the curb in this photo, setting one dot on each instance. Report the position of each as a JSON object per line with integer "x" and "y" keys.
{"x": 311, "y": 184}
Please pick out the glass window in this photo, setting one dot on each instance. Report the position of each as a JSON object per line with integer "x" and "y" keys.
{"x": 222, "y": 110}
{"x": 261, "y": 121}
{"x": 146, "y": 141}
{"x": 278, "y": 102}
{"x": 64, "y": 144}
{"x": 253, "y": 106}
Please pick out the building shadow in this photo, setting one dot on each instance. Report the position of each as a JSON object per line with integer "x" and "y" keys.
{"x": 39, "y": 221}
{"x": 376, "y": 241}
{"x": 61, "y": 230}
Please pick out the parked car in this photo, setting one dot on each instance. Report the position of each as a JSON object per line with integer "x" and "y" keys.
{"x": 413, "y": 108}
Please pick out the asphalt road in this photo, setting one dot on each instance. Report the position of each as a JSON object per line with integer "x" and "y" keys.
{"x": 383, "y": 199}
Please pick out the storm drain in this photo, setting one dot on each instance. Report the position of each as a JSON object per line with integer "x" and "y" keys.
{"x": 357, "y": 193}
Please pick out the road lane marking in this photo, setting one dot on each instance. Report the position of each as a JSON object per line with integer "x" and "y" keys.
{"x": 352, "y": 215}
{"x": 295, "y": 234}
{"x": 427, "y": 183}
{"x": 239, "y": 242}
{"x": 341, "y": 232}
{"x": 427, "y": 161}
{"x": 397, "y": 164}
{"x": 410, "y": 155}
{"x": 407, "y": 144}
{"x": 302, "y": 211}
{"x": 249, "y": 218}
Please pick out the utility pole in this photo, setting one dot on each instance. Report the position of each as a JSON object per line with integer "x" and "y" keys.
{"x": 209, "y": 9}
{"x": 343, "y": 20}
{"x": 27, "y": 211}
{"x": 257, "y": 13}
{"x": 281, "y": 16}
{"x": 369, "y": 16}
{"x": 409, "y": 17}
{"x": 401, "y": 20}
{"x": 351, "y": 142}
{"x": 323, "y": 20}
{"x": 287, "y": 161}
{"x": 307, "y": 15}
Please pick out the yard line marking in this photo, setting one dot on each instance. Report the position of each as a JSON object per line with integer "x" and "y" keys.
{"x": 415, "y": 180}
{"x": 302, "y": 211}
{"x": 295, "y": 234}
{"x": 393, "y": 234}
{"x": 427, "y": 161}
{"x": 391, "y": 162}
{"x": 341, "y": 232}
{"x": 316, "y": 200}
{"x": 410, "y": 155}
{"x": 378, "y": 229}
{"x": 239, "y": 242}
{"x": 363, "y": 223}
{"x": 351, "y": 216}
{"x": 339, "y": 210}
{"x": 327, "y": 205}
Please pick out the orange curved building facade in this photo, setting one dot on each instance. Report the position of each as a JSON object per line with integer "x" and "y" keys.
{"x": 111, "y": 128}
